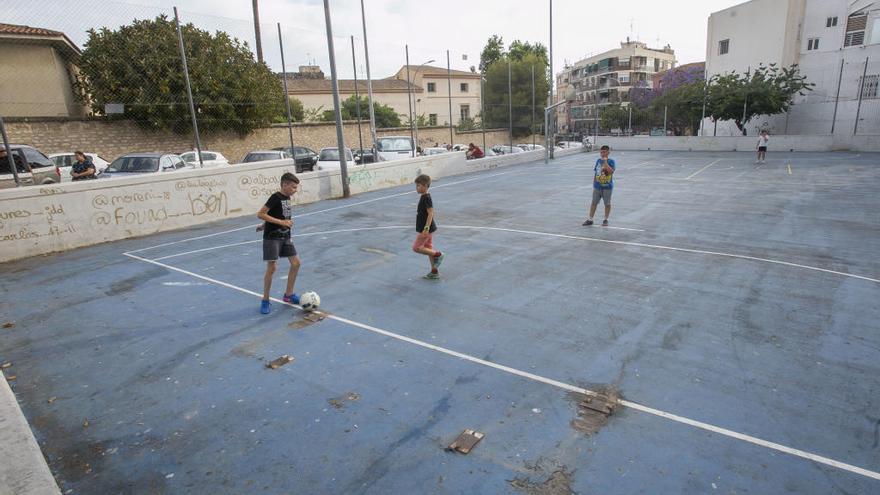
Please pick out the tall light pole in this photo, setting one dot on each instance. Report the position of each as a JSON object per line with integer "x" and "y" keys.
{"x": 449, "y": 88}
{"x": 357, "y": 97}
{"x": 369, "y": 81}
{"x": 340, "y": 139}
{"x": 259, "y": 43}
{"x": 547, "y": 138}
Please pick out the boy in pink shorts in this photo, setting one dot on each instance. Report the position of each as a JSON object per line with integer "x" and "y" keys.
{"x": 426, "y": 227}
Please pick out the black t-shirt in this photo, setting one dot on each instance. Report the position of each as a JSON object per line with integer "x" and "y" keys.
{"x": 279, "y": 207}
{"x": 422, "y": 215}
{"x": 82, "y": 167}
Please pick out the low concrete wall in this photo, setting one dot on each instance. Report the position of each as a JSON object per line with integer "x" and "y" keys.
{"x": 40, "y": 220}
{"x": 710, "y": 143}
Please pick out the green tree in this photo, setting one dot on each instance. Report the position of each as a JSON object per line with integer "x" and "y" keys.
{"x": 138, "y": 65}
{"x": 385, "y": 116}
{"x": 495, "y": 90}
{"x": 492, "y": 52}
{"x": 768, "y": 90}
{"x": 684, "y": 107}
{"x": 614, "y": 116}
{"x": 297, "y": 111}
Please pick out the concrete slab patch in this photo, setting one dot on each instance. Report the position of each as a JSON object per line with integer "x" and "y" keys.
{"x": 339, "y": 402}
{"x": 558, "y": 483}
{"x": 466, "y": 441}
{"x": 279, "y": 362}
{"x": 593, "y": 412}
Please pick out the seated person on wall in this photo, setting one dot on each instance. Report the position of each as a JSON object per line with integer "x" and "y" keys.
{"x": 474, "y": 151}
{"x": 83, "y": 168}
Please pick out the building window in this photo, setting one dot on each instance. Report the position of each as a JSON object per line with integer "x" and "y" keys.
{"x": 432, "y": 119}
{"x": 869, "y": 88}
{"x": 723, "y": 47}
{"x": 813, "y": 44}
{"x": 831, "y": 22}
{"x": 432, "y": 87}
{"x": 855, "y": 30}
{"x": 465, "y": 112}
{"x": 464, "y": 87}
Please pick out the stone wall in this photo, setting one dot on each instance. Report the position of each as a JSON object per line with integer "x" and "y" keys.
{"x": 111, "y": 139}
{"x": 44, "y": 219}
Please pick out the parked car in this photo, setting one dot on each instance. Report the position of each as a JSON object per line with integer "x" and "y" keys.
{"x": 433, "y": 151}
{"x": 209, "y": 159}
{"x": 570, "y": 144}
{"x": 529, "y": 147}
{"x": 328, "y": 159}
{"x": 394, "y": 148}
{"x": 33, "y": 167}
{"x": 459, "y": 147}
{"x": 503, "y": 149}
{"x": 265, "y": 155}
{"x": 134, "y": 164}
{"x": 64, "y": 161}
{"x": 363, "y": 157}
{"x": 305, "y": 157}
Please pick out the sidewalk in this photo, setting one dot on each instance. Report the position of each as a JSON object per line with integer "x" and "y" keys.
{"x": 24, "y": 470}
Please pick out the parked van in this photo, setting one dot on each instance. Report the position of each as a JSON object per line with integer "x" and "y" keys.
{"x": 394, "y": 148}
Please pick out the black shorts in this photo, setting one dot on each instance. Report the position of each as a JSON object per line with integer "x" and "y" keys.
{"x": 278, "y": 248}
{"x": 762, "y": 149}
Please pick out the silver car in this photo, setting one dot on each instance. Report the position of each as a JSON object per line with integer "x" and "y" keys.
{"x": 33, "y": 167}
{"x": 134, "y": 164}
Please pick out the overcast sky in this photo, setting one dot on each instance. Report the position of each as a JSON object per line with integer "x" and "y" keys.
{"x": 580, "y": 28}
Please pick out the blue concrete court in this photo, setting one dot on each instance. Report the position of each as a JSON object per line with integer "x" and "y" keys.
{"x": 734, "y": 307}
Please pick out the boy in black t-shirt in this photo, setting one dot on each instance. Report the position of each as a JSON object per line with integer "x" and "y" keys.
{"x": 276, "y": 214}
{"x": 425, "y": 226}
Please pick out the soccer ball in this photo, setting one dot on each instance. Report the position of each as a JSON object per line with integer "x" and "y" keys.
{"x": 309, "y": 301}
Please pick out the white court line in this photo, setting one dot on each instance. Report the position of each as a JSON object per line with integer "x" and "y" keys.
{"x": 548, "y": 381}
{"x": 252, "y": 226}
{"x": 559, "y": 236}
{"x": 669, "y": 248}
{"x": 704, "y": 168}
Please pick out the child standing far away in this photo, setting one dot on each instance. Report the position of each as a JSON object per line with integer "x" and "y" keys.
{"x": 603, "y": 184}
{"x": 276, "y": 214}
{"x": 426, "y": 227}
{"x": 763, "y": 139}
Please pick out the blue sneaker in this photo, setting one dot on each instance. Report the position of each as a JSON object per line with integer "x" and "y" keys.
{"x": 265, "y": 307}
{"x": 292, "y": 298}
{"x": 439, "y": 259}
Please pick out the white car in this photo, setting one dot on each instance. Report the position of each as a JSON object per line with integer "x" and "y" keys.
{"x": 209, "y": 159}
{"x": 264, "y": 155}
{"x": 136, "y": 164}
{"x": 392, "y": 148}
{"x": 64, "y": 162}
{"x": 433, "y": 151}
{"x": 503, "y": 149}
{"x": 328, "y": 159}
{"x": 529, "y": 147}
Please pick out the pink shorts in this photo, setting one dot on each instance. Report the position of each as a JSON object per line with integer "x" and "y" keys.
{"x": 424, "y": 240}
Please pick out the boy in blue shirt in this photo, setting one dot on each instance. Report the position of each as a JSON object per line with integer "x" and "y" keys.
{"x": 603, "y": 184}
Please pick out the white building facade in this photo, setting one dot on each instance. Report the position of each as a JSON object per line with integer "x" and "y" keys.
{"x": 607, "y": 79}
{"x": 836, "y": 44}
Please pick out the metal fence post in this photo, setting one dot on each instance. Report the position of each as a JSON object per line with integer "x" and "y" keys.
{"x": 837, "y": 97}
{"x": 340, "y": 139}
{"x": 369, "y": 84}
{"x": 9, "y": 153}
{"x": 482, "y": 113}
{"x": 412, "y": 136}
{"x": 861, "y": 93}
{"x": 509, "y": 106}
{"x": 189, "y": 96}
{"x": 665, "y": 113}
{"x": 449, "y": 87}
{"x": 286, "y": 95}
{"x": 357, "y": 98}
{"x": 629, "y": 126}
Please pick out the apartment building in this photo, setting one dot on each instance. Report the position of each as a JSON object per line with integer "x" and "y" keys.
{"x": 607, "y": 79}
{"x": 836, "y": 44}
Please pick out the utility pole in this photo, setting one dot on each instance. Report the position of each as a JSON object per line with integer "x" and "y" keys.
{"x": 340, "y": 139}
{"x": 369, "y": 83}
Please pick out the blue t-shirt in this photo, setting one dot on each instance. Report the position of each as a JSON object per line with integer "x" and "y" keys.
{"x": 601, "y": 181}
